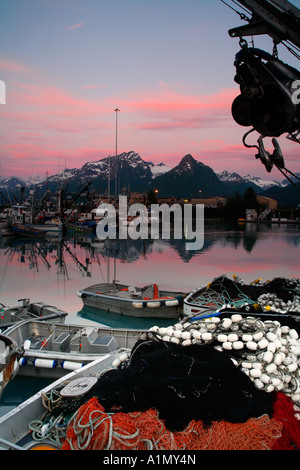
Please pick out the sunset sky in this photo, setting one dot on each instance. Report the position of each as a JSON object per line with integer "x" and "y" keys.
{"x": 166, "y": 64}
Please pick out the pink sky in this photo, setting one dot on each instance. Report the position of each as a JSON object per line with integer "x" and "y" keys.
{"x": 65, "y": 73}
{"x": 46, "y": 127}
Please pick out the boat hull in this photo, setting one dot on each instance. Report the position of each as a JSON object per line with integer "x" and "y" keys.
{"x": 118, "y": 300}
{"x": 26, "y": 230}
{"x": 14, "y": 430}
{"x": 52, "y": 350}
{"x": 40, "y": 311}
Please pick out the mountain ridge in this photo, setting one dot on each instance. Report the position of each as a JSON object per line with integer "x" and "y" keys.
{"x": 189, "y": 178}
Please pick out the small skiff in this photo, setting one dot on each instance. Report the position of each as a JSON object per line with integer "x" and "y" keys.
{"x": 52, "y": 350}
{"x": 27, "y": 311}
{"x": 147, "y": 301}
{"x": 15, "y": 433}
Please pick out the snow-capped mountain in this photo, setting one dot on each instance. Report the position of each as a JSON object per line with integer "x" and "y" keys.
{"x": 228, "y": 177}
{"x": 190, "y": 178}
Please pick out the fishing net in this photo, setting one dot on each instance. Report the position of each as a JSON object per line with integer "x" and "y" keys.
{"x": 281, "y": 295}
{"x": 284, "y": 412}
{"x": 93, "y": 429}
{"x": 182, "y": 383}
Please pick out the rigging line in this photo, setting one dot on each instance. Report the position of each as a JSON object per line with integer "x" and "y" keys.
{"x": 293, "y": 174}
{"x": 292, "y": 45}
{"x": 290, "y": 180}
{"x": 242, "y": 7}
{"x": 241, "y": 15}
{"x": 293, "y": 52}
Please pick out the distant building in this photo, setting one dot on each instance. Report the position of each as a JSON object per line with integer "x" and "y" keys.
{"x": 251, "y": 215}
{"x": 267, "y": 201}
{"x": 213, "y": 202}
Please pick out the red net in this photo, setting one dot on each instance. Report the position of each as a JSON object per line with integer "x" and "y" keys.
{"x": 93, "y": 429}
{"x": 284, "y": 412}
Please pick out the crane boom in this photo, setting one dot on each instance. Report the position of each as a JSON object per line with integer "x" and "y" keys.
{"x": 278, "y": 18}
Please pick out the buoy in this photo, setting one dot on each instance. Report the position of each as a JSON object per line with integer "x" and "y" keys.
{"x": 27, "y": 344}
{"x": 268, "y": 357}
{"x": 238, "y": 345}
{"x": 196, "y": 334}
{"x": 162, "y": 331}
{"x": 251, "y": 345}
{"x": 137, "y": 304}
{"x": 263, "y": 343}
{"x": 233, "y": 337}
{"x": 222, "y": 338}
{"x": 185, "y": 335}
{"x": 227, "y": 322}
{"x": 153, "y": 304}
{"x": 172, "y": 303}
{"x": 207, "y": 336}
{"x": 45, "y": 363}
{"x": 236, "y": 318}
{"x": 247, "y": 337}
{"x": 70, "y": 365}
{"x": 256, "y": 373}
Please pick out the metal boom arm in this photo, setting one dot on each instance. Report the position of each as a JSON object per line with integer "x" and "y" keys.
{"x": 277, "y": 18}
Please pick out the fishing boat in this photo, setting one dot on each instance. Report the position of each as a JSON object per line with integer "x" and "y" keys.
{"x": 126, "y": 399}
{"x": 147, "y": 301}
{"x": 52, "y": 350}
{"x": 53, "y": 226}
{"x": 26, "y": 230}
{"x": 279, "y": 297}
{"x": 81, "y": 227}
{"x": 3, "y": 223}
{"x": 15, "y": 433}
{"x": 30, "y": 310}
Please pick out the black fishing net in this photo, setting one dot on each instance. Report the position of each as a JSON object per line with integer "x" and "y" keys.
{"x": 284, "y": 289}
{"x": 278, "y": 299}
{"x": 182, "y": 383}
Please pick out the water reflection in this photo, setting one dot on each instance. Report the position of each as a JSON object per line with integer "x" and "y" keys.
{"x": 53, "y": 270}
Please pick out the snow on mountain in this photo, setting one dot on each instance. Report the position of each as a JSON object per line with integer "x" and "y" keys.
{"x": 263, "y": 184}
{"x": 159, "y": 169}
{"x": 128, "y": 169}
{"x": 228, "y": 177}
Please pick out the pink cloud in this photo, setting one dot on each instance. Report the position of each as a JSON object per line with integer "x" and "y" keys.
{"x": 43, "y": 122}
{"x": 74, "y": 26}
{"x": 93, "y": 87}
{"x": 167, "y": 109}
{"x": 13, "y": 66}
{"x": 49, "y": 99}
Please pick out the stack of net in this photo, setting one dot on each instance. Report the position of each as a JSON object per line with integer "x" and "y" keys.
{"x": 182, "y": 383}
{"x": 280, "y": 295}
{"x": 93, "y": 429}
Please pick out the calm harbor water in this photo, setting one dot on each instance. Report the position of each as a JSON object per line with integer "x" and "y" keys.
{"x": 53, "y": 270}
